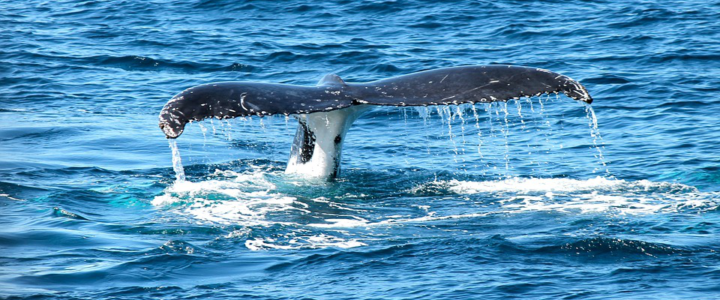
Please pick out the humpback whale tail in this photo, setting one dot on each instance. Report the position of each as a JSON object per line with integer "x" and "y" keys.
{"x": 325, "y": 112}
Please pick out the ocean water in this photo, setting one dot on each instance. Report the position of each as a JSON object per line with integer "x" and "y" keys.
{"x": 541, "y": 198}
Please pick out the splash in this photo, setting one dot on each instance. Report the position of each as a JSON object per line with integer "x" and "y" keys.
{"x": 230, "y": 198}
{"x": 254, "y": 202}
{"x": 177, "y": 161}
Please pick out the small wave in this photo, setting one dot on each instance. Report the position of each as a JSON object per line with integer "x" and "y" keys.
{"x": 643, "y": 17}
{"x": 225, "y": 5}
{"x": 136, "y": 63}
{"x": 37, "y": 133}
{"x": 142, "y": 63}
{"x": 7, "y": 110}
{"x": 59, "y": 212}
{"x": 360, "y": 43}
{"x": 179, "y": 247}
{"x": 607, "y": 79}
{"x": 282, "y": 56}
{"x": 427, "y": 25}
{"x": 385, "y": 68}
{"x": 301, "y": 8}
{"x": 684, "y": 103}
{"x": 384, "y": 7}
{"x": 682, "y": 56}
{"x": 614, "y": 246}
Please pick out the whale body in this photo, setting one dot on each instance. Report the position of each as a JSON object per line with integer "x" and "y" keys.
{"x": 326, "y": 111}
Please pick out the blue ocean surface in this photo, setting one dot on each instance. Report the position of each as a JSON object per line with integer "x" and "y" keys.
{"x": 537, "y": 198}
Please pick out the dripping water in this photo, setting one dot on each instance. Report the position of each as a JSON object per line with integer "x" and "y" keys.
{"x": 226, "y": 129}
{"x": 424, "y": 112}
{"x": 204, "y": 130}
{"x": 595, "y": 134}
{"x": 212, "y": 124}
{"x": 459, "y": 113}
{"x": 479, "y": 130}
{"x": 177, "y": 162}
{"x": 505, "y": 131}
{"x": 450, "y": 118}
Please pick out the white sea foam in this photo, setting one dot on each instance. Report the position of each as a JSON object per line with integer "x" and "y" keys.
{"x": 391, "y": 220}
{"x": 233, "y": 198}
{"x": 252, "y": 200}
{"x": 247, "y": 199}
{"x": 529, "y": 185}
{"x": 304, "y": 242}
{"x": 343, "y": 223}
{"x": 594, "y": 195}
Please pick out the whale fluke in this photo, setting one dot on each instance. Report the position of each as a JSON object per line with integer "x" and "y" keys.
{"x": 326, "y": 111}
{"x": 225, "y": 100}
{"x": 469, "y": 85}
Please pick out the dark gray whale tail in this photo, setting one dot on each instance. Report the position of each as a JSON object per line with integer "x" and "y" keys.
{"x": 326, "y": 111}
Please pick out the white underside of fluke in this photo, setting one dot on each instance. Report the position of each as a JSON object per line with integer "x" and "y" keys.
{"x": 325, "y": 127}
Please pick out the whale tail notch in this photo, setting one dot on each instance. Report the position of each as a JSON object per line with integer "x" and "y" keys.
{"x": 332, "y": 80}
